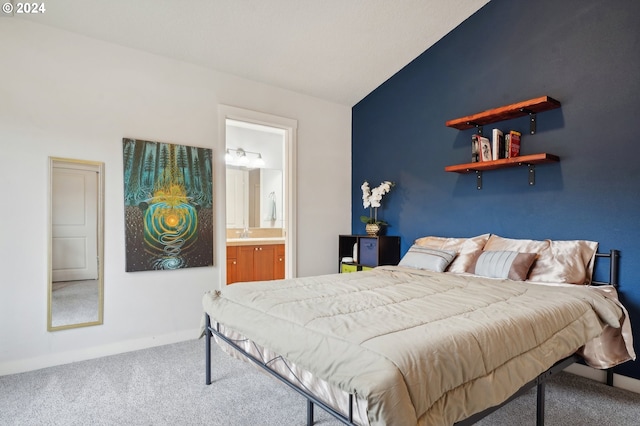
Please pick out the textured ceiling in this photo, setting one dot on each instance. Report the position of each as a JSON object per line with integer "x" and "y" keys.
{"x": 338, "y": 50}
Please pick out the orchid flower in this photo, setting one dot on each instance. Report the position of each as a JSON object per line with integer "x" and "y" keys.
{"x": 372, "y": 199}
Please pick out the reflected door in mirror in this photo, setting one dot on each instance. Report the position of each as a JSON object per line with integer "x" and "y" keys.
{"x": 237, "y": 198}
{"x": 75, "y": 266}
{"x": 74, "y": 220}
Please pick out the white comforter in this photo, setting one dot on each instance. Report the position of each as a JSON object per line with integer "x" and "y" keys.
{"x": 421, "y": 347}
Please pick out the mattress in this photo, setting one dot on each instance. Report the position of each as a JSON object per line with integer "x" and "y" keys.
{"x": 419, "y": 347}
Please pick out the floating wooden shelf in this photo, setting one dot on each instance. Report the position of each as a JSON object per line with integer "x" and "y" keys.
{"x": 503, "y": 163}
{"x": 507, "y": 112}
{"x": 524, "y": 160}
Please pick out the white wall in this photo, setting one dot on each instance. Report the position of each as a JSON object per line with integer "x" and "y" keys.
{"x": 69, "y": 96}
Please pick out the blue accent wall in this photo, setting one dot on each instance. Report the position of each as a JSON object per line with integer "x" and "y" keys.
{"x": 586, "y": 54}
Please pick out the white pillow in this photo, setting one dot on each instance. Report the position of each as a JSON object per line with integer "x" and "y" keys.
{"x": 419, "y": 257}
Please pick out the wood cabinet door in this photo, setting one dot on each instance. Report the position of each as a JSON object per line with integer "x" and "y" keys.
{"x": 257, "y": 263}
{"x": 263, "y": 262}
{"x": 232, "y": 271}
{"x": 232, "y": 265}
{"x": 278, "y": 272}
{"x": 245, "y": 263}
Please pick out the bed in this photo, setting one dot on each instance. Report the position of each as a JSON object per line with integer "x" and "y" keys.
{"x": 459, "y": 327}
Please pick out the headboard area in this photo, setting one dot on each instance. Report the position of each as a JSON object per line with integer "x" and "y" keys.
{"x": 614, "y": 261}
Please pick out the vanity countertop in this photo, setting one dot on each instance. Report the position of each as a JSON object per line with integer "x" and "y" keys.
{"x": 254, "y": 241}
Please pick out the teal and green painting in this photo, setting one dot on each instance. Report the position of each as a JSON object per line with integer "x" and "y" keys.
{"x": 168, "y": 201}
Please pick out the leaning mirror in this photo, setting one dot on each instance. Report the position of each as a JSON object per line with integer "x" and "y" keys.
{"x": 76, "y": 243}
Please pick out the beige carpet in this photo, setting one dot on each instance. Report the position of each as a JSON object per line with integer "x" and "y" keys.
{"x": 165, "y": 386}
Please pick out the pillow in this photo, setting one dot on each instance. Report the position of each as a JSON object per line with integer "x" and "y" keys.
{"x": 503, "y": 264}
{"x": 425, "y": 258}
{"x": 467, "y": 249}
{"x": 568, "y": 261}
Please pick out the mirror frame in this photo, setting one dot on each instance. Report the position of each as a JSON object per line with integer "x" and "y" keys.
{"x": 100, "y": 241}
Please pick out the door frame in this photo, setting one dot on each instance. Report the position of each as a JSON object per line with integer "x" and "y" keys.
{"x": 290, "y": 127}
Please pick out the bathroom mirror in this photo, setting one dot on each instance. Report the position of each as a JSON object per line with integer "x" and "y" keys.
{"x": 255, "y": 181}
{"x": 76, "y": 243}
{"x": 254, "y": 198}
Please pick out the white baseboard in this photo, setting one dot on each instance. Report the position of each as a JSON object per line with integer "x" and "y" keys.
{"x": 60, "y": 358}
{"x": 619, "y": 381}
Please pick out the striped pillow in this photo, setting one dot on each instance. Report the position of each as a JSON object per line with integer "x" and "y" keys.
{"x": 503, "y": 264}
{"x": 419, "y": 257}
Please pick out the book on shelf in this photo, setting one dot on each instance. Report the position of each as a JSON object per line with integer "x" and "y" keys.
{"x": 485, "y": 149}
{"x": 497, "y": 149}
{"x": 475, "y": 148}
{"x": 514, "y": 144}
{"x": 507, "y": 145}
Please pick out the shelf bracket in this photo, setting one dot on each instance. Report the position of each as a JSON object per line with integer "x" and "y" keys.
{"x": 532, "y": 174}
{"x": 477, "y": 126}
{"x": 532, "y": 120}
{"x": 478, "y": 179}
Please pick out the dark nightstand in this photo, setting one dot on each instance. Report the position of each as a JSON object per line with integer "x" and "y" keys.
{"x": 371, "y": 251}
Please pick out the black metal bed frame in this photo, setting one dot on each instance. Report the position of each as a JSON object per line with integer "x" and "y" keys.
{"x": 312, "y": 400}
{"x": 540, "y": 381}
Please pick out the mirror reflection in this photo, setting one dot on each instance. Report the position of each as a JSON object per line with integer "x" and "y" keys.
{"x": 254, "y": 198}
{"x": 76, "y": 217}
{"x": 255, "y": 187}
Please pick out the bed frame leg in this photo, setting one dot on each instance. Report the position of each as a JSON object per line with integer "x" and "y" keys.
{"x": 309, "y": 412}
{"x": 207, "y": 346}
{"x": 609, "y": 376}
{"x": 540, "y": 404}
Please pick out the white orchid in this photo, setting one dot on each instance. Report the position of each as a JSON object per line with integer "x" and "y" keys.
{"x": 372, "y": 198}
{"x": 366, "y": 193}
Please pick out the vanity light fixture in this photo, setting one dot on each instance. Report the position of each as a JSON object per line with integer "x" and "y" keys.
{"x": 240, "y": 157}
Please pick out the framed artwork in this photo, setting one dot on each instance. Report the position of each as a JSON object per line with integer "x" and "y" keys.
{"x": 168, "y": 204}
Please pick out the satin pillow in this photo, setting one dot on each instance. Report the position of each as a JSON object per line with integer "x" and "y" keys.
{"x": 503, "y": 264}
{"x": 426, "y": 258}
{"x": 568, "y": 261}
{"x": 467, "y": 249}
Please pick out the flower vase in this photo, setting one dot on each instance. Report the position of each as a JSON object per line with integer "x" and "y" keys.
{"x": 372, "y": 229}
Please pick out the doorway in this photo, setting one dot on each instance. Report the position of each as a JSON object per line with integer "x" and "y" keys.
{"x": 260, "y": 183}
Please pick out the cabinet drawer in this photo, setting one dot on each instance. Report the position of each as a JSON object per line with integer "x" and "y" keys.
{"x": 368, "y": 251}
